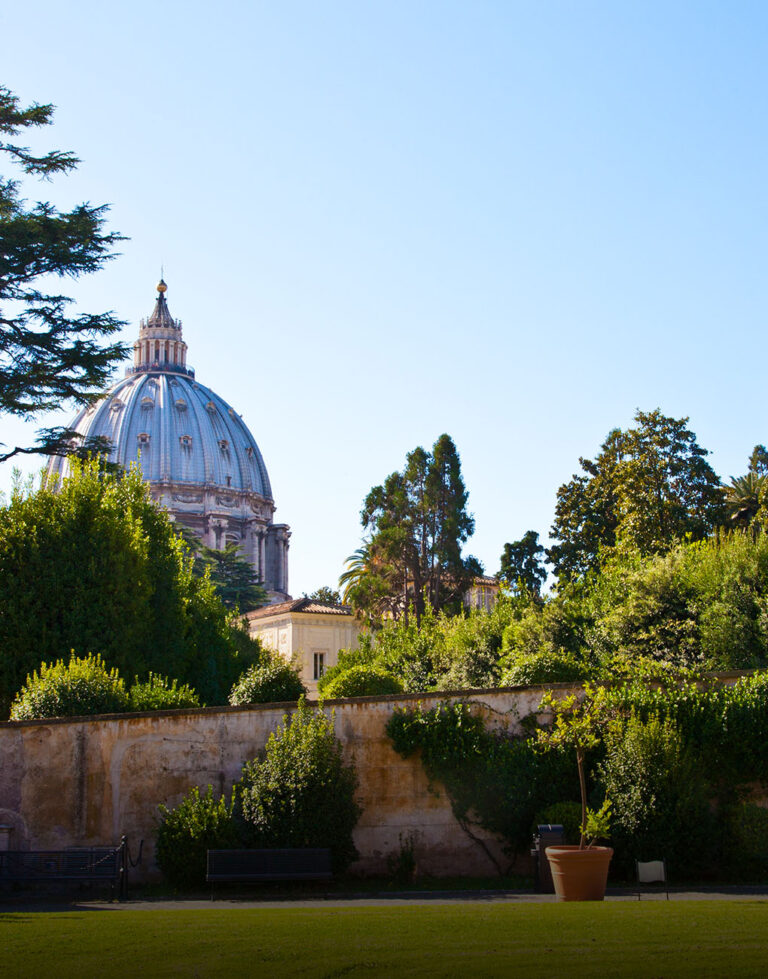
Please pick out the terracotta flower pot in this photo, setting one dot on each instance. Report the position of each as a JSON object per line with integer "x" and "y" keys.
{"x": 579, "y": 875}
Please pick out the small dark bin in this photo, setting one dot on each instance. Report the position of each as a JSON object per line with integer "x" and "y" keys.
{"x": 550, "y": 834}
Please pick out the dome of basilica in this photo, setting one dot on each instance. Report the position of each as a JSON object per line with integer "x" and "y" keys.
{"x": 197, "y": 454}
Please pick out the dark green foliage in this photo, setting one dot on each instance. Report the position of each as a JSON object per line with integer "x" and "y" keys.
{"x": 48, "y": 356}
{"x": 443, "y": 652}
{"x": 232, "y": 576}
{"x": 77, "y": 688}
{"x": 675, "y": 762}
{"x": 565, "y": 814}
{"x": 548, "y": 666}
{"x": 701, "y": 606}
{"x": 743, "y": 498}
{"x": 97, "y": 566}
{"x": 417, "y": 522}
{"x": 268, "y": 682}
{"x": 161, "y": 693}
{"x": 362, "y": 681}
{"x": 522, "y": 564}
{"x": 660, "y": 797}
{"x": 649, "y": 488}
{"x": 85, "y": 686}
{"x": 746, "y": 832}
{"x": 326, "y": 595}
{"x": 301, "y": 793}
{"x": 186, "y": 832}
{"x": 497, "y": 781}
{"x": 727, "y": 725}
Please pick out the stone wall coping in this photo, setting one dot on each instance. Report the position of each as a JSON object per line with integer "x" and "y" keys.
{"x": 290, "y": 705}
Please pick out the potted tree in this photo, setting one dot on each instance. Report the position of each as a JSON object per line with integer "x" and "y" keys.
{"x": 579, "y": 872}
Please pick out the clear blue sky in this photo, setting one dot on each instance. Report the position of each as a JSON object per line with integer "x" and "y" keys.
{"x": 515, "y": 222}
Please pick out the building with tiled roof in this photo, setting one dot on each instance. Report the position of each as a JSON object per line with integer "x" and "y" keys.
{"x": 307, "y": 632}
{"x": 197, "y": 454}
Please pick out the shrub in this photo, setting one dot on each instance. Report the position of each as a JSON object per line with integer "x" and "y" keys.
{"x": 498, "y": 781}
{"x": 82, "y": 686}
{"x": 362, "y": 681}
{"x": 301, "y": 793}
{"x": 161, "y": 693}
{"x": 95, "y": 565}
{"x": 273, "y": 682}
{"x": 565, "y": 814}
{"x": 746, "y": 833}
{"x": 548, "y": 666}
{"x": 659, "y": 795}
{"x": 197, "y": 824}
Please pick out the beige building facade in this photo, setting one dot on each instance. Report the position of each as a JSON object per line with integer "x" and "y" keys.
{"x": 306, "y": 632}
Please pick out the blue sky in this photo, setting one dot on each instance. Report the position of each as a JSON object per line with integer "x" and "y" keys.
{"x": 515, "y": 222}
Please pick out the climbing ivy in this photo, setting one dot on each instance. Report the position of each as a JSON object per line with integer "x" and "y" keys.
{"x": 505, "y": 783}
{"x": 492, "y": 780}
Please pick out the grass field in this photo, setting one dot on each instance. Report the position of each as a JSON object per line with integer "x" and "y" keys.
{"x": 650, "y": 938}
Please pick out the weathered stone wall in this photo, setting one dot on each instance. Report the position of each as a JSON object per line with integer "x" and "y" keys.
{"x": 89, "y": 781}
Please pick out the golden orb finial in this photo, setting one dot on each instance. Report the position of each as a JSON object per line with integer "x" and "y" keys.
{"x": 161, "y": 286}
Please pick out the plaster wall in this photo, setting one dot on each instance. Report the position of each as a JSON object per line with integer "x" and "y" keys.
{"x": 300, "y": 635}
{"x": 89, "y": 781}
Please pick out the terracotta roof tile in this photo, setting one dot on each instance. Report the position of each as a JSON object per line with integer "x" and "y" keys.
{"x": 300, "y": 605}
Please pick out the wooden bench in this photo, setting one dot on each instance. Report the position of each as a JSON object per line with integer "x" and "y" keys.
{"x": 252, "y": 866}
{"x": 107, "y": 864}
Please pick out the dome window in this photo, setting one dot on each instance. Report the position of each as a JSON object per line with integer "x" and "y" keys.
{"x": 116, "y": 406}
{"x": 181, "y": 404}
{"x": 143, "y": 438}
{"x": 224, "y": 445}
{"x": 185, "y": 441}
{"x": 249, "y": 452}
{"x": 211, "y": 407}
{"x": 147, "y": 404}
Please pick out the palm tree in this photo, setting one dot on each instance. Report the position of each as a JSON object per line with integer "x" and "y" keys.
{"x": 357, "y": 567}
{"x": 743, "y": 497}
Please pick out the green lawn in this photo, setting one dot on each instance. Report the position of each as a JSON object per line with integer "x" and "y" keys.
{"x": 652, "y": 938}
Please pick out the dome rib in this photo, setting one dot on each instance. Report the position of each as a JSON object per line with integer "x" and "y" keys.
{"x": 163, "y": 459}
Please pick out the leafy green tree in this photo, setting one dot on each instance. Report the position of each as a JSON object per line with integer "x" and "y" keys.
{"x": 326, "y": 595}
{"x": 647, "y": 489}
{"x": 95, "y": 566}
{"x": 659, "y": 793}
{"x": 417, "y": 521}
{"x": 522, "y": 564}
{"x": 302, "y": 792}
{"x": 48, "y": 355}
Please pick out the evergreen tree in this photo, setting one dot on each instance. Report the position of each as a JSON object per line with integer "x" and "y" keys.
{"x": 417, "y": 521}
{"x": 758, "y": 461}
{"x": 96, "y": 567}
{"x": 233, "y": 576}
{"x": 648, "y": 488}
{"x": 522, "y": 564}
{"x": 48, "y": 355}
{"x": 327, "y": 595}
{"x": 235, "y": 579}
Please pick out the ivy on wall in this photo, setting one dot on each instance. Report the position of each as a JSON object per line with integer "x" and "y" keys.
{"x": 505, "y": 784}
